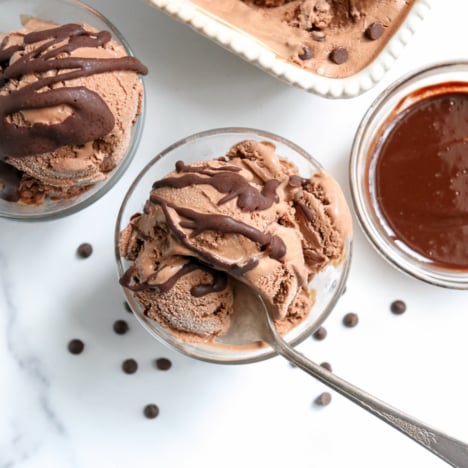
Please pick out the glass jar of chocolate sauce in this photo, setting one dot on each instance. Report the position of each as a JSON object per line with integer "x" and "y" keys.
{"x": 409, "y": 174}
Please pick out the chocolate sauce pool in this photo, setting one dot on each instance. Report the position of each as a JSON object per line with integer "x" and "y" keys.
{"x": 421, "y": 175}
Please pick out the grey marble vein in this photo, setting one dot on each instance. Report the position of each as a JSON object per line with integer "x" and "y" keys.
{"x": 35, "y": 423}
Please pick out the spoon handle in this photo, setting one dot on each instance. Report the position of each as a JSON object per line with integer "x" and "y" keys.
{"x": 452, "y": 451}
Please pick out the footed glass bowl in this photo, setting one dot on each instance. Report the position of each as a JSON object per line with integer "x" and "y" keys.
{"x": 63, "y": 12}
{"x": 327, "y": 284}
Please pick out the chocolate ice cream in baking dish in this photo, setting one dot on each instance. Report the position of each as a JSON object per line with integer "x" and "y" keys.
{"x": 334, "y": 48}
{"x": 333, "y": 38}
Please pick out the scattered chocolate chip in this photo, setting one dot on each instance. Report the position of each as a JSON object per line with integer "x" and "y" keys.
{"x": 151, "y": 411}
{"x": 129, "y": 366}
{"x": 398, "y": 307}
{"x": 163, "y": 364}
{"x": 320, "y": 334}
{"x": 75, "y": 346}
{"x": 350, "y": 320}
{"x": 327, "y": 365}
{"x": 128, "y": 308}
{"x": 318, "y": 36}
{"x": 120, "y": 327}
{"x": 323, "y": 399}
{"x": 84, "y": 250}
{"x": 339, "y": 55}
{"x": 374, "y": 31}
{"x": 306, "y": 53}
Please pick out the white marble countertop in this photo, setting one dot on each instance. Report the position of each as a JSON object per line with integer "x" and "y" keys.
{"x": 62, "y": 410}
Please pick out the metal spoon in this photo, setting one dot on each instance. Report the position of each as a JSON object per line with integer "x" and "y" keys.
{"x": 249, "y": 328}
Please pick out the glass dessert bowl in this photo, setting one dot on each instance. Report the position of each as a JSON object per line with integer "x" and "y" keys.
{"x": 200, "y": 162}
{"x": 409, "y": 173}
{"x": 65, "y": 154}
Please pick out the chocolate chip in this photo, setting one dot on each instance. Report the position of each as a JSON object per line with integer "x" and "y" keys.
{"x": 374, "y": 31}
{"x": 128, "y": 308}
{"x": 306, "y": 53}
{"x": 323, "y": 399}
{"x": 327, "y": 365}
{"x": 339, "y": 55}
{"x": 350, "y": 320}
{"x": 318, "y": 36}
{"x": 398, "y": 307}
{"x": 151, "y": 411}
{"x": 75, "y": 346}
{"x": 129, "y": 366}
{"x": 84, "y": 250}
{"x": 163, "y": 364}
{"x": 120, "y": 327}
{"x": 320, "y": 334}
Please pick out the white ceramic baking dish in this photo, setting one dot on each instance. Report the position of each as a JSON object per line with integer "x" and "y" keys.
{"x": 260, "y": 55}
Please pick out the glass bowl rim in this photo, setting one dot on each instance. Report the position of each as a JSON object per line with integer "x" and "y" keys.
{"x": 268, "y": 352}
{"x": 362, "y": 206}
{"x": 107, "y": 184}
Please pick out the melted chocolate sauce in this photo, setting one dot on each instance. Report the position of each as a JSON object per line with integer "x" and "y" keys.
{"x": 421, "y": 176}
{"x": 277, "y": 248}
{"x": 308, "y": 213}
{"x": 219, "y": 280}
{"x": 219, "y": 284}
{"x": 182, "y": 167}
{"x": 295, "y": 181}
{"x": 127, "y": 280}
{"x": 10, "y": 179}
{"x": 200, "y": 222}
{"x": 91, "y": 117}
{"x": 226, "y": 181}
{"x": 169, "y": 284}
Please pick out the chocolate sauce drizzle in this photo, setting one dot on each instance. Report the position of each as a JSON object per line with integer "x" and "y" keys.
{"x": 182, "y": 238}
{"x": 10, "y": 179}
{"x": 200, "y": 222}
{"x": 219, "y": 280}
{"x": 297, "y": 181}
{"x": 219, "y": 284}
{"x": 182, "y": 167}
{"x": 307, "y": 211}
{"x": 225, "y": 181}
{"x": 91, "y": 117}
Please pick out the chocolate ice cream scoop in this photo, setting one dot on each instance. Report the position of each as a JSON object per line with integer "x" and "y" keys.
{"x": 69, "y": 96}
{"x": 247, "y": 217}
